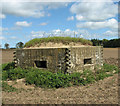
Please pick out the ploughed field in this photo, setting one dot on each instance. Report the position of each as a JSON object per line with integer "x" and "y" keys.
{"x": 111, "y": 55}
{"x": 102, "y": 92}
{"x": 111, "y": 52}
{"x": 7, "y": 55}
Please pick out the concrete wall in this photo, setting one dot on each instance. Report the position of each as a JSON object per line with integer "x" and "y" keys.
{"x": 54, "y": 57}
{"x": 65, "y": 59}
{"x": 80, "y": 57}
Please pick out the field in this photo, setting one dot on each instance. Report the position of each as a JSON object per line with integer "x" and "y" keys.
{"x": 7, "y": 55}
{"x": 101, "y": 92}
{"x": 111, "y": 55}
{"x": 104, "y": 91}
{"x": 111, "y": 52}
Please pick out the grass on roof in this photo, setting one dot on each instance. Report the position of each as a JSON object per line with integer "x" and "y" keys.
{"x": 64, "y": 40}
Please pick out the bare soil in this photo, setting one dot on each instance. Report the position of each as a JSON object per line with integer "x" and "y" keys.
{"x": 7, "y": 55}
{"x": 112, "y": 56}
{"x": 111, "y": 53}
{"x": 102, "y": 92}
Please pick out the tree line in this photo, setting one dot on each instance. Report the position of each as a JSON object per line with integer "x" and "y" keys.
{"x": 113, "y": 43}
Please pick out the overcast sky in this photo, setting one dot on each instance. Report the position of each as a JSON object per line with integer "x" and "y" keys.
{"x": 22, "y": 21}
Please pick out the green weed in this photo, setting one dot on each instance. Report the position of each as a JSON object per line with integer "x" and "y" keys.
{"x": 8, "y": 88}
{"x": 47, "y": 79}
{"x": 7, "y": 66}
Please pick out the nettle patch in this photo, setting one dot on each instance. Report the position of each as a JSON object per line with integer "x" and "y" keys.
{"x": 47, "y": 79}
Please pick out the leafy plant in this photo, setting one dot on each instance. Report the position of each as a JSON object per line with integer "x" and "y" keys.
{"x": 47, "y": 79}
{"x": 4, "y": 75}
{"x": 13, "y": 74}
{"x": 8, "y": 66}
{"x": 110, "y": 68}
{"x": 8, "y": 88}
{"x": 16, "y": 73}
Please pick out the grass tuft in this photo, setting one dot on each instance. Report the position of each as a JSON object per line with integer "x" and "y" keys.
{"x": 64, "y": 40}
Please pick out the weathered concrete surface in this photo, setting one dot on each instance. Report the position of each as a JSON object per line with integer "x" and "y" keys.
{"x": 54, "y": 57}
{"x": 79, "y": 55}
{"x": 69, "y": 59}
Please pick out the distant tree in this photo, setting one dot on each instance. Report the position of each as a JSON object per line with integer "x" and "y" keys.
{"x": 96, "y": 42}
{"x": 106, "y": 43}
{"x": 6, "y": 46}
{"x": 112, "y": 43}
{"x": 20, "y": 45}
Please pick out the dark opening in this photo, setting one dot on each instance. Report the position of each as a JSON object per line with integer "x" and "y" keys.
{"x": 41, "y": 64}
{"x": 88, "y": 61}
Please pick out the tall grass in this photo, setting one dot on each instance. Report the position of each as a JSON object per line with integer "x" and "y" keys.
{"x": 63, "y": 40}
